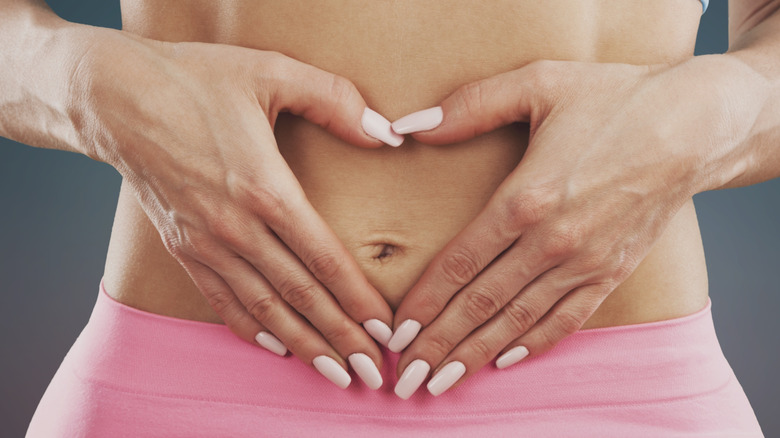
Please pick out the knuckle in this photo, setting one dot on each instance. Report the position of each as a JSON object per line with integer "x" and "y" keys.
{"x": 620, "y": 273}
{"x": 186, "y": 239}
{"x": 563, "y": 240}
{"x": 561, "y": 325}
{"x": 481, "y": 349}
{"x": 273, "y": 65}
{"x": 471, "y": 97}
{"x": 482, "y": 304}
{"x": 528, "y": 208}
{"x": 623, "y": 267}
{"x": 520, "y": 316}
{"x": 273, "y": 58}
{"x": 326, "y": 267}
{"x": 340, "y": 333}
{"x": 461, "y": 266}
{"x": 301, "y": 295}
{"x": 262, "y": 307}
{"x": 226, "y": 228}
{"x": 428, "y": 304}
{"x": 195, "y": 239}
{"x": 438, "y": 346}
{"x": 342, "y": 90}
{"x": 567, "y": 323}
{"x": 220, "y": 301}
{"x": 541, "y": 73}
{"x": 266, "y": 200}
{"x": 300, "y": 341}
{"x": 255, "y": 192}
{"x": 591, "y": 263}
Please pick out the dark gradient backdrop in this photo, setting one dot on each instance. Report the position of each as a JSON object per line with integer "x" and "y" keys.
{"x": 56, "y": 210}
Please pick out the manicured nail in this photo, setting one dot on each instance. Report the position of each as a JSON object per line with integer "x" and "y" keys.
{"x": 332, "y": 371}
{"x": 271, "y": 343}
{"x": 378, "y": 330}
{"x": 512, "y": 357}
{"x": 446, "y": 377}
{"x": 419, "y": 121}
{"x": 404, "y": 335}
{"x": 366, "y": 369}
{"x": 412, "y": 378}
{"x": 379, "y": 127}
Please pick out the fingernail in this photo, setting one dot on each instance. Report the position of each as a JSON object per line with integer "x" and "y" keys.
{"x": 412, "y": 378}
{"x": 446, "y": 377}
{"x": 419, "y": 121}
{"x": 271, "y": 343}
{"x": 366, "y": 369}
{"x": 512, "y": 357}
{"x": 379, "y": 127}
{"x": 378, "y": 330}
{"x": 405, "y": 334}
{"x": 332, "y": 371}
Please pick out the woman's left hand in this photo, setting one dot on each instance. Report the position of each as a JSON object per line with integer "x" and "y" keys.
{"x": 615, "y": 150}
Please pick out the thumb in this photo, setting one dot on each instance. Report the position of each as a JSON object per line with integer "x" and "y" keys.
{"x": 325, "y": 99}
{"x": 520, "y": 95}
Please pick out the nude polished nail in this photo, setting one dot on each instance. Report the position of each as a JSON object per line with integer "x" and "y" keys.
{"x": 512, "y": 357}
{"x": 424, "y": 120}
{"x": 378, "y": 330}
{"x": 379, "y": 127}
{"x": 332, "y": 371}
{"x": 412, "y": 378}
{"x": 366, "y": 369}
{"x": 404, "y": 335}
{"x": 446, "y": 377}
{"x": 271, "y": 343}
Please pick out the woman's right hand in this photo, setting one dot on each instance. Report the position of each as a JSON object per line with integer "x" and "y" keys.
{"x": 190, "y": 128}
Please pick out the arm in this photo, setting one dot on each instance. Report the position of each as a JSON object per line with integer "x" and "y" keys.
{"x": 190, "y": 128}
{"x": 39, "y": 58}
{"x": 754, "y": 48}
{"x": 595, "y": 188}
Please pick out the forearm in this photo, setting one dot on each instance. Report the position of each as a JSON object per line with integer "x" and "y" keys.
{"x": 40, "y": 56}
{"x": 48, "y": 70}
{"x": 751, "y": 70}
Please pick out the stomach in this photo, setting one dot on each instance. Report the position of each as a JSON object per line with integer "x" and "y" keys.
{"x": 395, "y": 208}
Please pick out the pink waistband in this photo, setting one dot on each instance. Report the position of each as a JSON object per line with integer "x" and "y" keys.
{"x": 135, "y": 351}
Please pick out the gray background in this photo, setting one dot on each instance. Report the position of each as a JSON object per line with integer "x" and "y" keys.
{"x": 56, "y": 210}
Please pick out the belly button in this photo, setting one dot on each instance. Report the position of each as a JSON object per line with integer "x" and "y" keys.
{"x": 385, "y": 251}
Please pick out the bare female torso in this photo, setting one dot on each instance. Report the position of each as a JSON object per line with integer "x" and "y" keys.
{"x": 395, "y": 208}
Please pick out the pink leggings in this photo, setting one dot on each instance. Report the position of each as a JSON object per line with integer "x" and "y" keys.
{"x": 137, "y": 374}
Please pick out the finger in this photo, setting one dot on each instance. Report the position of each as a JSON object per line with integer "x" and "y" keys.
{"x": 567, "y": 316}
{"x": 274, "y": 310}
{"x": 267, "y": 307}
{"x": 478, "y": 302}
{"x": 446, "y": 335}
{"x": 521, "y": 95}
{"x": 230, "y": 309}
{"x": 456, "y": 265}
{"x": 294, "y": 283}
{"x": 322, "y": 253}
{"x": 326, "y": 99}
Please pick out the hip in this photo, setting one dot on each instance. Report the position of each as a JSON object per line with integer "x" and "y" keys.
{"x": 134, "y": 373}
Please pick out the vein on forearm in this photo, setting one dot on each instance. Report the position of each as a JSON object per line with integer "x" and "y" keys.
{"x": 37, "y": 50}
{"x": 755, "y": 43}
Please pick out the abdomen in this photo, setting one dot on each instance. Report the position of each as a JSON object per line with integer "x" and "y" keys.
{"x": 396, "y": 208}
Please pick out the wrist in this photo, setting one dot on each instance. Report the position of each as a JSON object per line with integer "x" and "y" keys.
{"x": 49, "y": 70}
{"x": 727, "y": 96}
{"x": 107, "y": 75}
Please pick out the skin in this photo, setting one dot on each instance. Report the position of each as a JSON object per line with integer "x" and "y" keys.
{"x": 296, "y": 195}
{"x": 560, "y": 234}
{"x": 571, "y": 223}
